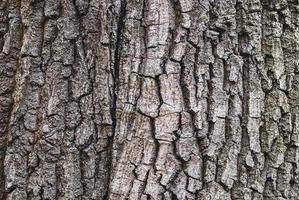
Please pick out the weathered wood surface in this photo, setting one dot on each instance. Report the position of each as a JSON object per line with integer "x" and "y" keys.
{"x": 149, "y": 99}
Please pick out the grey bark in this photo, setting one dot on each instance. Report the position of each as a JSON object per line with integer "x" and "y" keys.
{"x": 149, "y": 99}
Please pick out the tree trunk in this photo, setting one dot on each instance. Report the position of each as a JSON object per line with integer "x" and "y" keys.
{"x": 149, "y": 99}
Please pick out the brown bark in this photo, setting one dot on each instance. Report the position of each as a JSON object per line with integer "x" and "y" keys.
{"x": 149, "y": 99}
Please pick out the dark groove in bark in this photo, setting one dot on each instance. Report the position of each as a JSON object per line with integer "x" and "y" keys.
{"x": 116, "y": 65}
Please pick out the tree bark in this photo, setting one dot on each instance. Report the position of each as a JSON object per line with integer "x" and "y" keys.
{"x": 149, "y": 99}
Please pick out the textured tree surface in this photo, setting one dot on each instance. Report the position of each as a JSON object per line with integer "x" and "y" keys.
{"x": 149, "y": 99}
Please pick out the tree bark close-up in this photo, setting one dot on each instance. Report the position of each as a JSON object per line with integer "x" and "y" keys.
{"x": 149, "y": 99}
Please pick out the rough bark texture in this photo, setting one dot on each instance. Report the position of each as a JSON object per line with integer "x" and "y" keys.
{"x": 149, "y": 99}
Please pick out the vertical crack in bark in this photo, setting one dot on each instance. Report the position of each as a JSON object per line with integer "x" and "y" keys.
{"x": 116, "y": 65}
{"x": 117, "y": 58}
